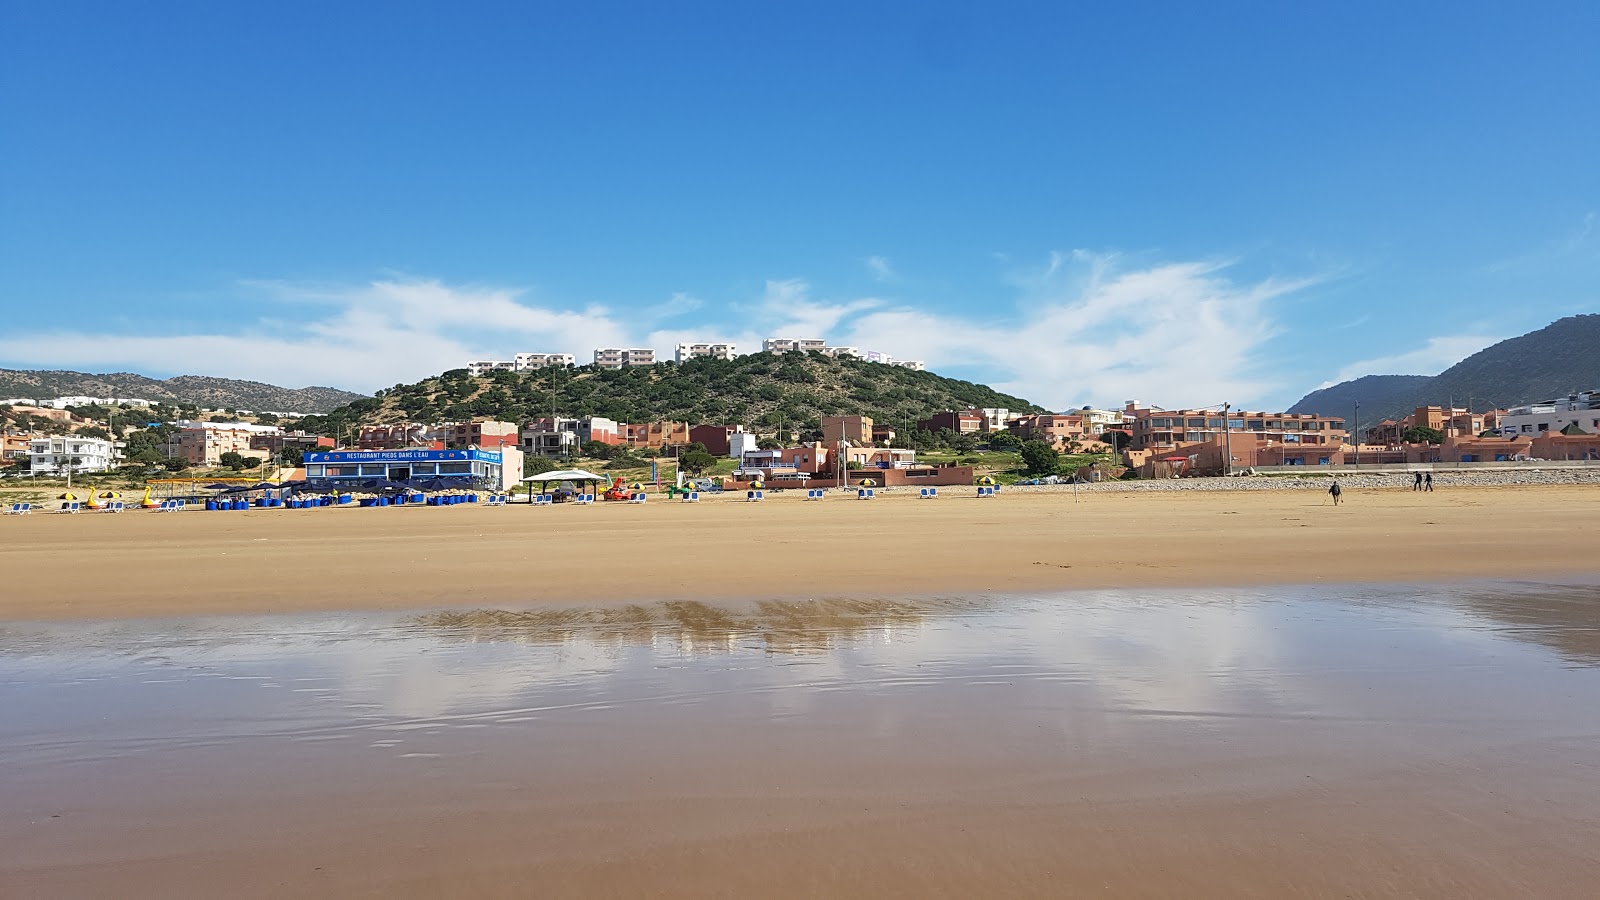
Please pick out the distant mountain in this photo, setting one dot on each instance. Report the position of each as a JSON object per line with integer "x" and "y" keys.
{"x": 200, "y": 390}
{"x": 1375, "y": 393}
{"x": 758, "y": 389}
{"x": 1559, "y": 358}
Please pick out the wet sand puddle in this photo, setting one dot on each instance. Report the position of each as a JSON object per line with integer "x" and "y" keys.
{"x": 1360, "y": 741}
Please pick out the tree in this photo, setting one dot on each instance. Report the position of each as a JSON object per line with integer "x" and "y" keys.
{"x": 595, "y": 449}
{"x": 538, "y": 465}
{"x": 267, "y": 418}
{"x": 1421, "y": 434}
{"x": 696, "y": 461}
{"x": 1118, "y": 439}
{"x": 1039, "y": 458}
{"x": 176, "y": 464}
{"x": 1005, "y": 440}
{"x": 292, "y": 457}
{"x": 233, "y": 460}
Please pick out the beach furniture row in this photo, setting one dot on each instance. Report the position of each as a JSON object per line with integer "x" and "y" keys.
{"x": 19, "y": 509}
{"x": 927, "y": 493}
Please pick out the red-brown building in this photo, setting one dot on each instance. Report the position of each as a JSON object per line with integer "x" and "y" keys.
{"x": 961, "y": 421}
{"x": 714, "y": 437}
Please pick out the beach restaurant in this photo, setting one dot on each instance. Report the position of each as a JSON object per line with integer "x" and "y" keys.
{"x": 447, "y": 469}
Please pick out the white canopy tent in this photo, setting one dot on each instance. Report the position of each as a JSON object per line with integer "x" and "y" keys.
{"x": 573, "y": 475}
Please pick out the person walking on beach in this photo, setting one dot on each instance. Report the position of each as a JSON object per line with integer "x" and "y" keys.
{"x": 1334, "y": 490}
{"x": 1416, "y": 483}
{"x": 1427, "y": 481}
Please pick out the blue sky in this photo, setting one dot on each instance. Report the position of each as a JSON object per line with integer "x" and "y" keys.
{"x": 1185, "y": 203}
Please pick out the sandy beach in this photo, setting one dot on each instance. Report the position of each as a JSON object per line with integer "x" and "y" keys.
{"x": 143, "y": 564}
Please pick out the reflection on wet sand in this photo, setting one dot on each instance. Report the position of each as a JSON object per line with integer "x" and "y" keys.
{"x": 1353, "y": 741}
{"x": 1565, "y": 618}
{"x": 781, "y": 626}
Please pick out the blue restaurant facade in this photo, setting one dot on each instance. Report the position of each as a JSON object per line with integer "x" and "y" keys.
{"x": 423, "y": 469}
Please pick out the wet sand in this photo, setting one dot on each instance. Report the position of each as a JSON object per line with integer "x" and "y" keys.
{"x": 1361, "y": 741}
{"x": 144, "y": 564}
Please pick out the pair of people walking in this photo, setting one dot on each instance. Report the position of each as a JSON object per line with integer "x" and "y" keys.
{"x": 1422, "y": 481}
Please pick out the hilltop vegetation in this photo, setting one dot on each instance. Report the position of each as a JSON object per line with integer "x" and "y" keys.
{"x": 196, "y": 390}
{"x": 755, "y": 390}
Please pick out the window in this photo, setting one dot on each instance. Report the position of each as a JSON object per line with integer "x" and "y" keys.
{"x": 379, "y": 470}
{"x": 1196, "y": 423}
{"x": 315, "y": 471}
{"x": 1213, "y": 423}
{"x": 455, "y": 468}
{"x": 1236, "y": 423}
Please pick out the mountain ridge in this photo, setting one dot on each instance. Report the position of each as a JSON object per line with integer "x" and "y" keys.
{"x": 200, "y": 390}
{"x": 1548, "y": 362}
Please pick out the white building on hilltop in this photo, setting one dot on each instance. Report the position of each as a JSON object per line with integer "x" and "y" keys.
{"x": 49, "y": 455}
{"x": 790, "y": 345}
{"x": 914, "y": 365}
{"x": 616, "y": 358}
{"x": 522, "y": 362}
{"x": 686, "y": 352}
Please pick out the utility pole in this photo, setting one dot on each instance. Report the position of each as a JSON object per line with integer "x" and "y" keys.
{"x": 1358, "y": 434}
{"x": 1227, "y": 440}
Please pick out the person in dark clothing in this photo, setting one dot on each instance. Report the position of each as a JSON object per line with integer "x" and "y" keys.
{"x": 1427, "y": 482}
{"x": 1334, "y": 490}
{"x": 1416, "y": 483}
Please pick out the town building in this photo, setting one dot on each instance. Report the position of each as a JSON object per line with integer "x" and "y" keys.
{"x": 914, "y": 365}
{"x": 716, "y": 438}
{"x": 1457, "y": 421}
{"x": 527, "y": 362}
{"x": 657, "y": 435}
{"x": 686, "y": 352}
{"x": 275, "y": 443}
{"x": 1556, "y": 445}
{"x": 486, "y": 433}
{"x": 550, "y": 437}
{"x": 58, "y": 454}
{"x": 883, "y": 434}
{"x": 485, "y": 366}
{"x": 1057, "y": 430}
{"x": 776, "y": 345}
{"x": 64, "y": 402}
{"x": 962, "y": 421}
{"x": 403, "y": 435}
{"x": 740, "y": 443}
{"x": 994, "y": 419}
{"x": 14, "y": 443}
{"x": 1099, "y": 421}
{"x": 470, "y": 468}
{"x": 855, "y": 429}
{"x": 204, "y": 443}
{"x": 842, "y": 352}
{"x": 1580, "y": 409}
{"x": 601, "y": 429}
{"x": 1160, "y": 430}
{"x": 617, "y": 358}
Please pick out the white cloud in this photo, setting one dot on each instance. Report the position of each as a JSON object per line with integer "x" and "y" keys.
{"x": 360, "y": 338}
{"x": 881, "y": 269}
{"x": 1438, "y": 354}
{"x": 1178, "y": 333}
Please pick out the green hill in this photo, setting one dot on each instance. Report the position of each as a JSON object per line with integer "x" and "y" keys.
{"x": 754, "y": 390}
{"x": 200, "y": 390}
{"x": 1551, "y": 362}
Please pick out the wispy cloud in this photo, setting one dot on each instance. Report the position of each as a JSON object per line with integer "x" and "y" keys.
{"x": 1433, "y": 357}
{"x": 881, "y": 269}
{"x": 362, "y": 337}
{"x": 1579, "y": 245}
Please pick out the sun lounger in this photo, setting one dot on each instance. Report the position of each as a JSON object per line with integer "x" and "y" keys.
{"x": 754, "y": 496}
{"x": 637, "y": 497}
{"x": 20, "y": 509}
{"x": 985, "y": 492}
{"x": 583, "y": 499}
{"x": 928, "y": 494}
{"x": 70, "y": 507}
{"x": 814, "y": 494}
{"x": 865, "y": 494}
{"x": 692, "y": 497}
{"x": 114, "y": 506}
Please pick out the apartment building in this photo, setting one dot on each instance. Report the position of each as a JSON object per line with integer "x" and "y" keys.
{"x": 994, "y": 418}
{"x": 1166, "y": 429}
{"x": 686, "y": 352}
{"x": 657, "y": 435}
{"x": 275, "y": 443}
{"x": 526, "y": 362}
{"x": 718, "y": 439}
{"x": 14, "y": 443}
{"x": 617, "y": 358}
{"x": 1448, "y": 421}
{"x": 914, "y": 365}
{"x": 1579, "y": 410}
{"x": 487, "y": 434}
{"x": 204, "y": 443}
{"x": 1098, "y": 421}
{"x": 855, "y": 429}
{"x": 50, "y": 455}
{"x": 485, "y": 366}
{"x": 1057, "y": 430}
{"x": 599, "y": 428}
{"x": 550, "y": 437}
{"x": 842, "y": 352}
{"x": 791, "y": 345}
{"x": 961, "y": 421}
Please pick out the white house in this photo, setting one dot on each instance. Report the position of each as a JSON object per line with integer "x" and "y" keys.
{"x": 49, "y": 455}
{"x": 1581, "y": 408}
{"x": 698, "y": 350}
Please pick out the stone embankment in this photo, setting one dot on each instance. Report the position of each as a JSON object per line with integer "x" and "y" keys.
{"x": 1319, "y": 481}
